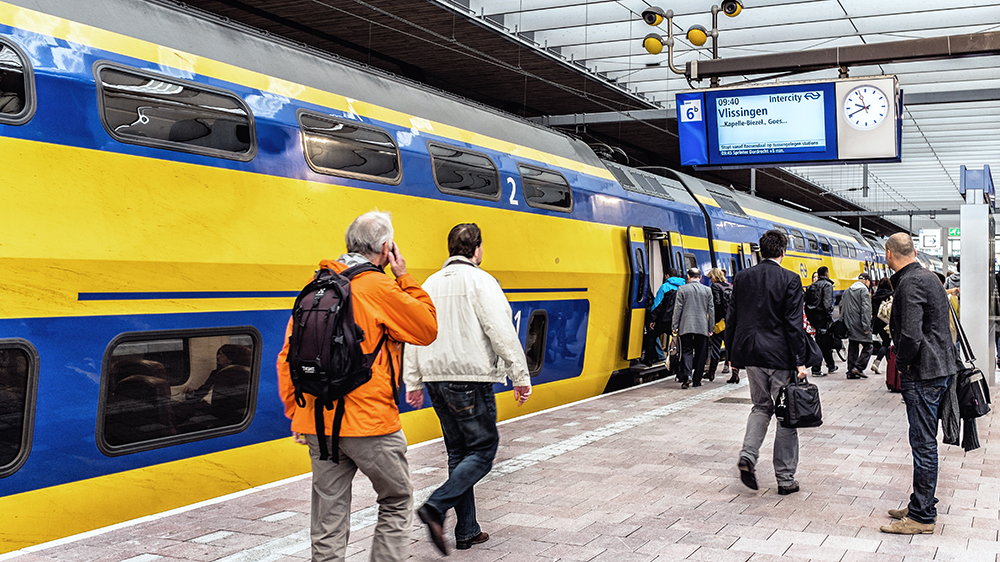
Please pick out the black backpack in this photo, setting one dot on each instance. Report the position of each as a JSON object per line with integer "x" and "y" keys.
{"x": 324, "y": 349}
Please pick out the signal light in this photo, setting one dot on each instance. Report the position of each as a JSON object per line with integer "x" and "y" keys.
{"x": 697, "y": 35}
{"x": 653, "y": 43}
{"x": 653, "y": 15}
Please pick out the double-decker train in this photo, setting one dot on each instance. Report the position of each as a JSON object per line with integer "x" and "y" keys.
{"x": 170, "y": 180}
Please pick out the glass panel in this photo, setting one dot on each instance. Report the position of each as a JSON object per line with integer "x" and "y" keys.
{"x": 535, "y": 342}
{"x": 464, "y": 173}
{"x": 813, "y": 244}
{"x": 834, "y": 247}
{"x": 728, "y": 203}
{"x": 166, "y": 113}
{"x": 732, "y": 267}
{"x": 163, "y": 387}
{"x": 640, "y": 271}
{"x": 852, "y": 250}
{"x": 344, "y": 148}
{"x": 824, "y": 244}
{"x": 622, "y": 178}
{"x": 781, "y": 228}
{"x": 15, "y": 391}
{"x": 15, "y": 87}
{"x": 545, "y": 189}
{"x": 798, "y": 241}
{"x": 689, "y": 262}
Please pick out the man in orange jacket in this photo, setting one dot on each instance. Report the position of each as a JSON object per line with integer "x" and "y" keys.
{"x": 371, "y": 437}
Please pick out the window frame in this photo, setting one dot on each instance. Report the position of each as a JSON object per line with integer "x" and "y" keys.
{"x": 824, "y": 241}
{"x": 172, "y": 440}
{"x": 450, "y": 191}
{"x": 166, "y": 144}
{"x": 797, "y": 238}
{"x": 834, "y": 247}
{"x": 346, "y": 174}
{"x": 30, "y": 398}
{"x": 544, "y": 205}
{"x": 545, "y": 336}
{"x": 812, "y": 242}
{"x": 694, "y": 263}
{"x": 30, "y": 98}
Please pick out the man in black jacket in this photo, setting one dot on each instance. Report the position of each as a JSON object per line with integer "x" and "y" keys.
{"x": 764, "y": 334}
{"x": 819, "y": 311}
{"x": 925, "y": 357}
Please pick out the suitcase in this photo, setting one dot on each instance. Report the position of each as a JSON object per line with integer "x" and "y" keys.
{"x": 892, "y": 380}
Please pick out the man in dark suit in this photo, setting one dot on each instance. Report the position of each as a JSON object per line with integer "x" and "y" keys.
{"x": 765, "y": 335}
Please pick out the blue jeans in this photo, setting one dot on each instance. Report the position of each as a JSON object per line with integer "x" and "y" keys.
{"x": 468, "y": 415}
{"x": 922, "y": 399}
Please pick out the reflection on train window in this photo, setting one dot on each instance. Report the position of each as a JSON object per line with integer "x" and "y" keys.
{"x": 798, "y": 241}
{"x": 813, "y": 244}
{"x": 534, "y": 345}
{"x": 640, "y": 273}
{"x": 781, "y": 228}
{"x": 16, "y": 86}
{"x": 345, "y": 148}
{"x": 18, "y": 380}
{"x": 461, "y": 172}
{"x": 545, "y": 189}
{"x": 824, "y": 244}
{"x": 690, "y": 262}
{"x": 153, "y": 110}
{"x": 834, "y": 247}
{"x": 165, "y": 388}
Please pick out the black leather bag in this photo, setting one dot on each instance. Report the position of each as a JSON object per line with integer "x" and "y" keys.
{"x": 973, "y": 392}
{"x": 798, "y": 405}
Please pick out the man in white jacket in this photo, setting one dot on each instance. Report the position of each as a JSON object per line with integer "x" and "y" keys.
{"x": 477, "y": 346}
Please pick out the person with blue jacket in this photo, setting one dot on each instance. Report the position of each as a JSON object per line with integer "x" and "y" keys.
{"x": 659, "y": 318}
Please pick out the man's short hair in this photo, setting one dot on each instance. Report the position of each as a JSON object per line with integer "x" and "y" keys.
{"x": 823, "y": 271}
{"x": 773, "y": 244}
{"x": 672, "y": 272}
{"x": 368, "y": 233}
{"x": 900, "y": 244}
{"x": 464, "y": 239}
{"x": 693, "y": 273}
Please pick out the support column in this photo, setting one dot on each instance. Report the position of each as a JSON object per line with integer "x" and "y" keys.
{"x": 977, "y": 296}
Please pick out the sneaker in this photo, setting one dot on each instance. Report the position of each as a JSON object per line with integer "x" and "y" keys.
{"x": 791, "y": 489}
{"x": 899, "y": 513}
{"x": 467, "y": 544}
{"x": 907, "y": 526}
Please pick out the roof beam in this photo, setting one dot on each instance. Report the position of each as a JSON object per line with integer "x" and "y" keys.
{"x": 886, "y": 213}
{"x": 973, "y": 44}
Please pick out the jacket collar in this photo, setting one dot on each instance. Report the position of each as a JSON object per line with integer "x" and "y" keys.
{"x": 894, "y": 280}
{"x": 454, "y": 259}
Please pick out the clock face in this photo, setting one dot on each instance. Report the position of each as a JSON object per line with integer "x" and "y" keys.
{"x": 865, "y": 107}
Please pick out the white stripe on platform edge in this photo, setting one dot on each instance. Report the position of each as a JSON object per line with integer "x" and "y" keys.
{"x": 366, "y": 517}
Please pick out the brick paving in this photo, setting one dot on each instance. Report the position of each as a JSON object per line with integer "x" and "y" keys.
{"x": 647, "y": 474}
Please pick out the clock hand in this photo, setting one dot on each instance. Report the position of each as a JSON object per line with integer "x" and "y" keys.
{"x": 863, "y": 108}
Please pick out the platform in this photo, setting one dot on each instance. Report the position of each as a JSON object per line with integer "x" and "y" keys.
{"x": 644, "y": 474}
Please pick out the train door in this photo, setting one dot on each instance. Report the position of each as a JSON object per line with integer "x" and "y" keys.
{"x": 675, "y": 252}
{"x": 657, "y": 250}
{"x": 748, "y": 256}
{"x": 638, "y": 287}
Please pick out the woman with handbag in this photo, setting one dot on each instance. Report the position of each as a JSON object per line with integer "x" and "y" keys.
{"x": 881, "y": 308}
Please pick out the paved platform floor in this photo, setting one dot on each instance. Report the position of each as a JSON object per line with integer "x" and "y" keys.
{"x": 641, "y": 475}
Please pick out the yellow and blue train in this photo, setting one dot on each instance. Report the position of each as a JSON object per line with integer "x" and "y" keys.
{"x": 169, "y": 182}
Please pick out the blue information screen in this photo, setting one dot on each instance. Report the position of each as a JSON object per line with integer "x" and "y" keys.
{"x": 771, "y": 125}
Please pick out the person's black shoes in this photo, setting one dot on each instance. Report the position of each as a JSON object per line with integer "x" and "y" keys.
{"x": 747, "y": 474}
{"x": 818, "y": 374}
{"x": 435, "y": 526}
{"x": 832, "y": 369}
{"x": 856, "y": 374}
{"x": 685, "y": 385}
{"x": 735, "y": 379}
{"x": 785, "y": 490}
{"x": 466, "y": 545}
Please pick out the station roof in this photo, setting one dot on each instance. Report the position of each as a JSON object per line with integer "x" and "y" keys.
{"x": 565, "y": 58}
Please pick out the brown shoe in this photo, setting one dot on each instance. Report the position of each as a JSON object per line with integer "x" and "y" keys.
{"x": 435, "y": 526}
{"x": 899, "y": 513}
{"x": 467, "y": 544}
{"x": 907, "y": 526}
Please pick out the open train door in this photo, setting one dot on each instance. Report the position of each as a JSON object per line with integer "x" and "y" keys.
{"x": 635, "y": 313}
{"x": 748, "y": 255}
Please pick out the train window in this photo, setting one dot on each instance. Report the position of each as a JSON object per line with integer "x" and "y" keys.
{"x": 346, "y": 148}
{"x": 622, "y": 178}
{"x": 461, "y": 172}
{"x": 732, "y": 267}
{"x": 17, "y": 94}
{"x": 813, "y": 243}
{"x": 834, "y": 247}
{"x": 545, "y": 189}
{"x": 689, "y": 262}
{"x": 678, "y": 261}
{"x": 150, "y": 109}
{"x": 18, "y": 381}
{"x": 780, "y": 228}
{"x": 798, "y": 241}
{"x": 640, "y": 271}
{"x": 534, "y": 345}
{"x": 650, "y": 186}
{"x": 166, "y": 388}
{"x": 728, "y": 203}
{"x": 824, "y": 244}
{"x": 853, "y": 251}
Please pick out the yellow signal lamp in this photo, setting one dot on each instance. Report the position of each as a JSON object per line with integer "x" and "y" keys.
{"x": 653, "y": 43}
{"x": 732, "y": 8}
{"x": 697, "y": 35}
{"x": 653, "y": 15}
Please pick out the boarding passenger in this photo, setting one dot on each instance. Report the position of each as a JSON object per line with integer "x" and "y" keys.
{"x": 694, "y": 321}
{"x": 661, "y": 315}
{"x": 477, "y": 347}
{"x": 883, "y": 293}
{"x": 925, "y": 359}
{"x": 856, "y": 311}
{"x": 722, "y": 293}
{"x": 765, "y": 335}
{"x": 371, "y": 438}
{"x": 819, "y": 311}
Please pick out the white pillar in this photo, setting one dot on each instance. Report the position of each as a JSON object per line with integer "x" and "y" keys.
{"x": 977, "y": 272}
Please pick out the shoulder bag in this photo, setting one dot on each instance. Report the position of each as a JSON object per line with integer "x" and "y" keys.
{"x": 798, "y": 405}
{"x": 973, "y": 392}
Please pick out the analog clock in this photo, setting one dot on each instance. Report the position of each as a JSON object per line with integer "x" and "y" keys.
{"x": 865, "y": 107}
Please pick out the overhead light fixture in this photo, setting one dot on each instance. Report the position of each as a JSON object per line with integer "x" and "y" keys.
{"x": 732, "y": 8}
{"x": 697, "y": 35}
{"x": 653, "y": 43}
{"x": 796, "y": 205}
{"x": 653, "y": 15}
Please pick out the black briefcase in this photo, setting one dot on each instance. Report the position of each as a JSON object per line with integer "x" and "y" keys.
{"x": 798, "y": 405}
{"x": 973, "y": 392}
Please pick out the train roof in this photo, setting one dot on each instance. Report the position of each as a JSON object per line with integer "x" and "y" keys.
{"x": 198, "y": 33}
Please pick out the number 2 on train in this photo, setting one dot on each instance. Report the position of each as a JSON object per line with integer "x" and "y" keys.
{"x": 513, "y": 190}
